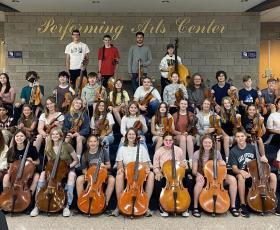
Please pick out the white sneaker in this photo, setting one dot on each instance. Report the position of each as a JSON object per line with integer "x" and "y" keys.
{"x": 163, "y": 213}
{"x": 34, "y": 212}
{"x": 116, "y": 212}
{"x": 186, "y": 214}
{"x": 66, "y": 212}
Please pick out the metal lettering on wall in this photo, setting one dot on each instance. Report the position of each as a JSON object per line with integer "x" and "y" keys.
{"x": 183, "y": 25}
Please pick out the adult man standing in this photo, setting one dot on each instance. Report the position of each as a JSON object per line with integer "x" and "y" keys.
{"x": 76, "y": 57}
{"x": 138, "y": 52}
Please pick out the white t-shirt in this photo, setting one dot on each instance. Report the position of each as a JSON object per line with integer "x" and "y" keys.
{"x": 127, "y": 154}
{"x": 140, "y": 93}
{"x": 109, "y": 117}
{"x": 167, "y": 61}
{"x": 273, "y": 121}
{"x": 77, "y": 52}
{"x": 47, "y": 121}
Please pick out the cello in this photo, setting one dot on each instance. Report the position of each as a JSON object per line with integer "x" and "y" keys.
{"x": 92, "y": 200}
{"x": 18, "y": 197}
{"x": 174, "y": 198}
{"x": 51, "y": 197}
{"x": 134, "y": 200}
{"x": 214, "y": 198}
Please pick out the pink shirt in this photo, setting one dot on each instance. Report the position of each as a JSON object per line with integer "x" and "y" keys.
{"x": 162, "y": 155}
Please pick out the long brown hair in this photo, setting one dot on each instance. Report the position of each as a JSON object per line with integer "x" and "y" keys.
{"x": 11, "y": 154}
{"x": 86, "y": 153}
{"x": 202, "y": 152}
{"x": 158, "y": 117}
{"x": 2, "y": 142}
{"x": 115, "y": 92}
{"x": 227, "y": 115}
{"x": 191, "y": 83}
{"x": 8, "y": 84}
{"x": 98, "y": 114}
{"x": 52, "y": 99}
{"x": 130, "y": 104}
{"x": 126, "y": 139}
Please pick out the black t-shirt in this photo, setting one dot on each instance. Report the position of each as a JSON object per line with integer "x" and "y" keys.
{"x": 32, "y": 153}
{"x": 248, "y": 96}
{"x": 240, "y": 157}
{"x": 220, "y": 92}
{"x": 247, "y": 123}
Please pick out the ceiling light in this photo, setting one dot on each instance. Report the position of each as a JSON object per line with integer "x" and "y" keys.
{"x": 95, "y": 1}
{"x": 15, "y": 1}
{"x": 243, "y": 0}
{"x": 165, "y": 1}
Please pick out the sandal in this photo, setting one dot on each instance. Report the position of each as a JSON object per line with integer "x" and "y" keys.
{"x": 196, "y": 213}
{"x": 234, "y": 212}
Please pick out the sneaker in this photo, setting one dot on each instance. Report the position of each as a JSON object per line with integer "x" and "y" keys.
{"x": 277, "y": 211}
{"x": 244, "y": 211}
{"x": 34, "y": 212}
{"x": 66, "y": 212}
{"x": 116, "y": 212}
{"x": 186, "y": 214}
{"x": 163, "y": 213}
{"x": 149, "y": 213}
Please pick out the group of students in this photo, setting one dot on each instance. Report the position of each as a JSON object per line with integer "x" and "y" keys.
{"x": 84, "y": 130}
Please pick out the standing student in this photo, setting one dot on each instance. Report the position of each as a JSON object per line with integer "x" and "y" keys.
{"x": 76, "y": 55}
{"x": 138, "y": 52}
{"x": 7, "y": 93}
{"x": 108, "y": 59}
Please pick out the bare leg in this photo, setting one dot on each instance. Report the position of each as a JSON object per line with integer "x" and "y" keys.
{"x": 80, "y": 184}
{"x": 241, "y": 188}
{"x": 150, "y": 185}
{"x": 231, "y": 181}
{"x": 197, "y": 190}
{"x": 109, "y": 189}
{"x": 119, "y": 184}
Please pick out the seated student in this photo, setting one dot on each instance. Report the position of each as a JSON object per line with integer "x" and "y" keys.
{"x": 16, "y": 153}
{"x": 7, "y": 93}
{"x": 185, "y": 130}
{"x": 118, "y": 101}
{"x": 90, "y": 93}
{"x": 126, "y": 154}
{"x": 63, "y": 93}
{"x": 247, "y": 95}
{"x": 7, "y": 124}
{"x": 200, "y": 158}
{"x": 67, "y": 154}
{"x": 163, "y": 154}
{"x": 270, "y": 94}
{"x": 239, "y": 156}
{"x": 161, "y": 122}
{"x": 50, "y": 117}
{"x": 27, "y": 121}
{"x": 169, "y": 93}
{"x": 102, "y": 123}
{"x": 76, "y": 125}
{"x": 147, "y": 107}
{"x": 91, "y": 157}
{"x": 3, "y": 159}
{"x": 29, "y": 93}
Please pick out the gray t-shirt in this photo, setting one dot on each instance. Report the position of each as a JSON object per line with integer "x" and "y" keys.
{"x": 93, "y": 158}
{"x": 240, "y": 157}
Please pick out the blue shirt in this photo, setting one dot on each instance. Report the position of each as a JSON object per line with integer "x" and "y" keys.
{"x": 220, "y": 92}
{"x": 26, "y": 92}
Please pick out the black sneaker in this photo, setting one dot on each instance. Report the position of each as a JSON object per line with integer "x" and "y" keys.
{"x": 277, "y": 211}
{"x": 244, "y": 211}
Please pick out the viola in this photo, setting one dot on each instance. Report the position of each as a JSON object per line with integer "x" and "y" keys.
{"x": 236, "y": 121}
{"x": 77, "y": 123}
{"x": 258, "y": 124}
{"x": 133, "y": 200}
{"x": 209, "y": 94}
{"x": 174, "y": 198}
{"x": 192, "y": 130}
{"x": 179, "y": 95}
{"x": 81, "y": 81}
{"x": 92, "y": 201}
{"x": 214, "y": 198}
{"x": 35, "y": 98}
{"x": 112, "y": 80}
{"x": 147, "y": 99}
{"x": 67, "y": 101}
{"x": 51, "y": 125}
{"x": 233, "y": 94}
{"x": 215, "y": 123}
{"x": 260, "y": 104}
{"x": 261, "y": 197}
{"x": 137, "y": 125}
{"x": 167, "y": 124}
{"x": 17, "y": 198}
{"x": 51, "y": 197}
{"x": 102, "y": 126}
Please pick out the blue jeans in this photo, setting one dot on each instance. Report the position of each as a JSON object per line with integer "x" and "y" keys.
{"x": 135, "y": 82}
{"x": 153, "y": 106}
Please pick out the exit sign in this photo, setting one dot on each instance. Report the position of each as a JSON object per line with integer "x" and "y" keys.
{"x": 248, "y": 54}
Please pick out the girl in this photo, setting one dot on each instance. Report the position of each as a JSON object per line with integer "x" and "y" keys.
{"x": 3, "y": 158}
{"x": 102, "y": 123}
{"x": 163, "y": 154}
{"x": 200, "y": 158}
{"x": 51, "y": 115}
{"x": 196, "y": 91}
{"x": 27, "y": 121}
{"x": 7, "y": 93}
{"x": 161, "y": 122}
{"x": 185, "y": 129}
{"x": 16, "y": 153}
{"x": 170, "y": 90}
{"x": 69, "y": 155}
{"x": 91, "y": 157}
{"x": 118, "y": 101}
{"x": 76, "y": 125}
{"x": 127, "y": 154}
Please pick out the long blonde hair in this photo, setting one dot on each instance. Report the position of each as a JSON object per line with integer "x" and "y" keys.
{"x": 50, "y": 143}
{"x": 72, "y": 110}
{"x": 227, "y": 115}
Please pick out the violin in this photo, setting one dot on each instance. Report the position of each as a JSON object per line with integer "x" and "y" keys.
{"x": 137, "y": 125}
{"x": 146, "y": 100}
{"x": 102, "y": 126}
{"x": 67, "y": 101}
{"x": 236, "y": 121}
{"x": 209, "y": 94}
{"x": 179, "y": 95}
{"x": 35, "y": 98}
{"x": 133, "y": 200}
{"x": 260, "y": 104}
{"x": 174, "y": 198}
{"x": 215, "y": 123}
{"x": 51, "y": 197}
{"x": 261, "y": 198}
{"x": 258, "y": 124}
{"x": 17, "y": 198}
{"x": 77, "y": 123}
{"x": 167, "y": 124}
{"x": 191, "y": 129}
{"x": 92, "y": 201}
{"x": 81, "y": 81}
{"x": 214, "y": 198}
{"x": 100, "y": 94}
{"x": 51, "y": 125}
{"x": 112, "y": 80}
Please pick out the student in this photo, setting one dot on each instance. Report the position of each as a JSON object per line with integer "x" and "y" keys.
{"x": 7, "y": 123}
{"x": 3, "y": 159}
{"x": 27, "y": 121}
{"x": 125, "y": 155}
{"x": 163, "y": 154}
{"x": 90, "y": 157}
{"x": 200, "y": 158}
{"x": 67, "y": 154}
{"x": 63, "y": 92}
{"x": 239, "y": 156}
{"x": 7, "y": 93}
{"x": 196, "y": 91}
{"x": 271, "y": 93}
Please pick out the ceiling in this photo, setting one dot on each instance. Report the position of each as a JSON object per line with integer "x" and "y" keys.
{"x": 271, "y": 15}
{"x": 131, "y": 5}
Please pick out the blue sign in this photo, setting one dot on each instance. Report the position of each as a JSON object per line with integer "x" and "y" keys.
{"x": 248, "y": 54}
{"x": 14, "y": 54}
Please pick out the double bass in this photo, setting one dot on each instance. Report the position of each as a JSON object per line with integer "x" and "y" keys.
{"x": 214, "y": 198}
{"x": 18, "y": 197}
{"x": 51, "y": 197}
{"x": 134, "y": 200}
{"x": 92, "y": 201}
{"x": 174, "y": 198}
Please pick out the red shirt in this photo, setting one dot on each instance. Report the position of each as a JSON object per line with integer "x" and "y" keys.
{"x": 110, "y": 55}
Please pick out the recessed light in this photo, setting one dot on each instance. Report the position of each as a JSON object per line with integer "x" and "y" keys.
{"x": 165, "y": 1}
{"x": 95, "y": 1}
{"x": 243, "y": 0}
{"x": 15, "y": 1}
